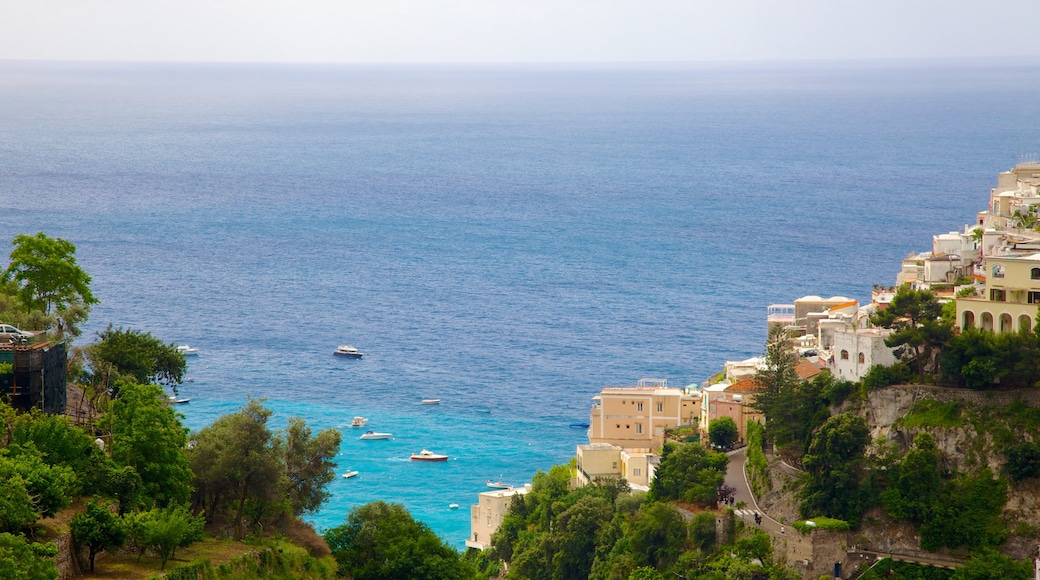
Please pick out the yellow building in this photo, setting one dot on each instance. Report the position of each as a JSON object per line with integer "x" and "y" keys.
{"x": 1011, "y": 298}
{"x": 600, "y": 460}
{"x": 487, "y": 514}
{"x": 636, "y": 417}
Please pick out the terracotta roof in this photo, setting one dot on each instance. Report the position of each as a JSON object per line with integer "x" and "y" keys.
{"x": 806, "y": 370}
{"x": 745, "y": 386}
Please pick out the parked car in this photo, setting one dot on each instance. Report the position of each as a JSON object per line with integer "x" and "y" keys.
{"x": 9, "y": 333}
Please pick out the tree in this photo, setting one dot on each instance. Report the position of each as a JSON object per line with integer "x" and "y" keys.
{"x": 917, "y": 482}
{"x": 657, "y": 535}
{"x": 1023, "y": 461}
{"x": 722, "y": 432}
{"x": 920, "y": 331}
{"x": 575, "y": 536}
{"x": 237, "y": 458}
{"x": 988, "y": 563}
{"x": 380, "y": 540}
{"x": 49, "y": 486}
{"x": 309, "y": 466}
{"x": 148, "y": 436}
{"x": 20, "y": 559}
{"x": 690, "y": 473}
{"x": 134, "y": 356}
{"x": 49, "y": 279}
{"x": 835, "y": 464}
{"x": 98, "y": 529}
{"x": 165, "y": 530}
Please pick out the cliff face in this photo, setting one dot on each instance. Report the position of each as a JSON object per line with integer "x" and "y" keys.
{"x": 971, "y": 429}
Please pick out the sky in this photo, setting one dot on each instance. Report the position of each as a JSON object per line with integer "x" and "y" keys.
{"x": 514, "y": 31}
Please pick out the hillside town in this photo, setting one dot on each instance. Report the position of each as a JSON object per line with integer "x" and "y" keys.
{"x": 990, "y": 271}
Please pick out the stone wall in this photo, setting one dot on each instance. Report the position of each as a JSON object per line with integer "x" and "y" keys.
{"x": 68, "y": 564}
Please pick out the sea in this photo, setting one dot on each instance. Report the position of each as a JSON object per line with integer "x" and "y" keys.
{"x": 507, "y": 238}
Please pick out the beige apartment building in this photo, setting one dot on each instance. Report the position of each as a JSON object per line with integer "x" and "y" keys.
{"x": 602, "y": 460}
{"x": 1011, "y": 297}
{"x": 636, "y": 417}
{"x": 487, "y": 514}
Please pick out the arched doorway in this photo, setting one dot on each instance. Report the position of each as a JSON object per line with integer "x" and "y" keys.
{"x": 987, "y": 321}
{"x": 969, "y": 319}
{"x": 1005, "y": 323}
{"x": 1025, "y": 323}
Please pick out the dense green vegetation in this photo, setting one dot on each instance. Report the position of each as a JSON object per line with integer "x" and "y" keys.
{"x": 147, "y": 487}
{"x": 604, "y": 531}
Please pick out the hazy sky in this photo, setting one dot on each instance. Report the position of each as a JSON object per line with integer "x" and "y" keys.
{"x": 514, "y": 31}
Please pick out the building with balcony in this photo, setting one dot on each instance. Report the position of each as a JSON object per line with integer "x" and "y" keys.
{"x": 1010, "y": 299}
{"x": 636, "y": 417}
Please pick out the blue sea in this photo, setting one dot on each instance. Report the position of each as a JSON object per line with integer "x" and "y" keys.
{"x": 510, "y": 238}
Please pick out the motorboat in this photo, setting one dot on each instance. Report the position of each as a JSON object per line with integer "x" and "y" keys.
{"x": 188, "y": 350}
{"x": 426, "y": 455}
{"x": 174, "y": 400}
{"x": 359, "y": 422}
{"x": 498, "y": 484}
{"x": 348, "y": 352}
{"x": 483, "y": 410}
{"x": 430, "y": 402}
{"x": 376, "y": 435}
{"x": 579, "y": 425}
{"x": 453, "y": 506}
{"x": 349, "y": 474}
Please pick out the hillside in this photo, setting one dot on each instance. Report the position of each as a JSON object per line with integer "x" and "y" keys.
{"x": 972, "y": 431}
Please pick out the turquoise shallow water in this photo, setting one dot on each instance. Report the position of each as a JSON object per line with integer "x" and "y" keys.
{"x": 511, "y": 238}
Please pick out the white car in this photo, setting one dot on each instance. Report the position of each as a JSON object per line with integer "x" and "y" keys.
{"x": 9, "y": 333}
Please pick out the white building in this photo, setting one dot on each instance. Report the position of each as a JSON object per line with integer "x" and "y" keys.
{"x": 857, "y": 349}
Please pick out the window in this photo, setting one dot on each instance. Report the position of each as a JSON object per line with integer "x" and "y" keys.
{"x": 613, "y": 465}
{"x": 844, "y": 355}
{"x": 660, "y": 407}
{"x": 639, "y": 428}
{"x": 639, "y": 406}
{"x": 996, "y": 295}
{"x": 636, "y": 472}
{"x": 862, "y": 359}
{"x": 998, "y": 270}
{"x": 1034, "y": 297}
{"x": 1035, "y": 274}
{"x": 489, "y": 521}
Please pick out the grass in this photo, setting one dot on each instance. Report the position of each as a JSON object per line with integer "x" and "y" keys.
{"x": 821, "y": 523}
{"x": 107, "y": 566}
{"x": 932, "y": 413}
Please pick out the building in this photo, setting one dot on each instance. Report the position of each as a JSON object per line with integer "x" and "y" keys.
{"x": 636, "y": 417}
{"x": 487, "y": 514}
{"x": 1011, "y": 297}
{"x": 38, "y": 377}
{"x": 855, "y": 350}
{"x": 602, "y": 460}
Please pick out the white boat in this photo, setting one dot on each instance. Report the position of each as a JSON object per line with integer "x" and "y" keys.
{"x": 425, "y": 455}
{"x": 453, "y": 506}
{"x": 375, "y": 435}
{"x": 498, "y": 484}
{"x": 188, "y": 350}
{"x": 359, "y": 422}
{"x": 176, "y": 401}
{"x": 430, "y": 402}
{"x": 349, "y": 474}
{"x": 348, "y": 351}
